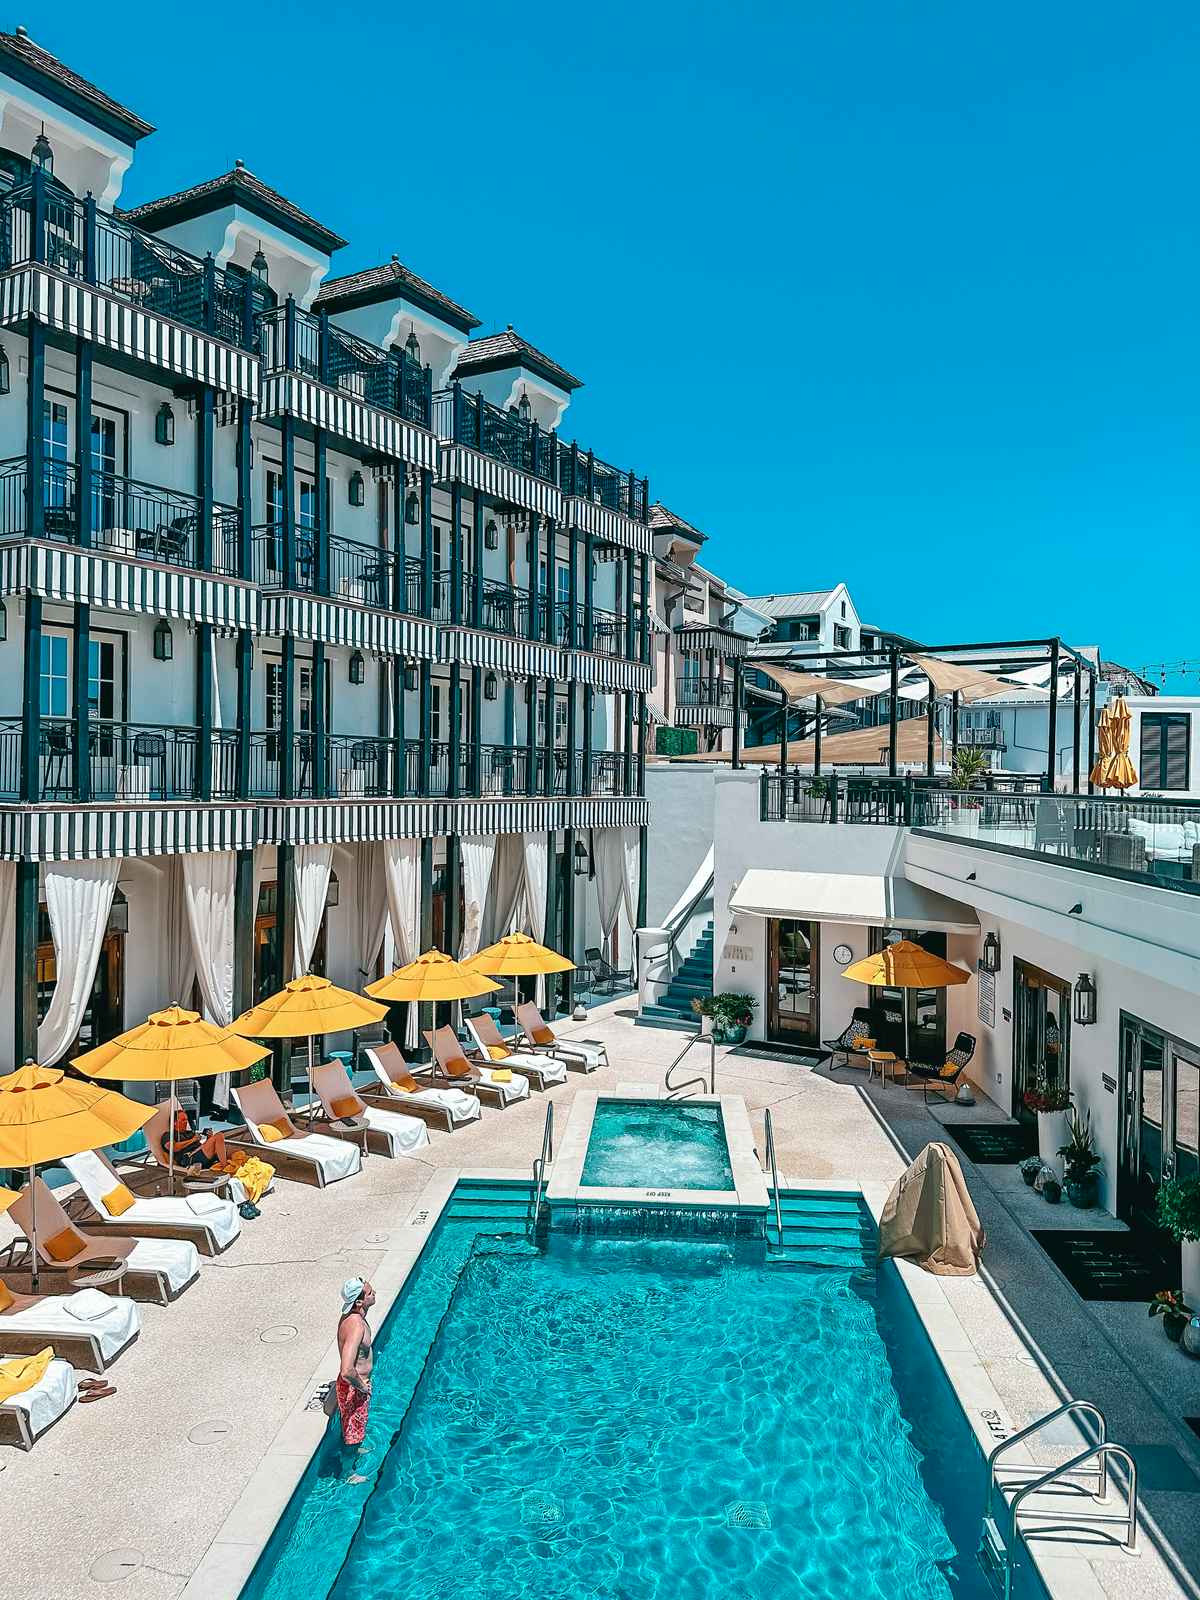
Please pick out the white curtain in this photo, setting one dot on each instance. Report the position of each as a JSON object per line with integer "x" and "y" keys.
{"x": 79, "y": 896}
{"x": 402, "y": 876}
{"x": 371, "y": 907}
{"x": 478, "y": 854}
{"x": 503, "y": 913}
{"x": 312, "y": 864}
{"x": 181, "y": 963}
{"x": 537, "y": 856}
{"x": 208, "y": 886}
{"x": 631, "y": 873}
{"x": 608, "y": 858}
{"x": 8, "y": 964}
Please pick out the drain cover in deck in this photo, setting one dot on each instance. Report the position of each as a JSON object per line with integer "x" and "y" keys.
{"x": 539, "y": 1509}
{"x": 1106, "y": 1264}
{"x": 993, "y": 1144}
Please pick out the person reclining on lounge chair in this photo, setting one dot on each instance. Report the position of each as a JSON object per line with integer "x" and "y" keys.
{"x": 541, "y": 1070}
{"x": 190, "y": 1148}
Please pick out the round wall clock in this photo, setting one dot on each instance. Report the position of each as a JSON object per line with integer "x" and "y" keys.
{"x": 843, "y": 954}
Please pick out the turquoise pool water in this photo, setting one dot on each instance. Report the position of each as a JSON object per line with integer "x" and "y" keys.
{"x": 631, "y": 1419}
{"x": 639, "y": 1142}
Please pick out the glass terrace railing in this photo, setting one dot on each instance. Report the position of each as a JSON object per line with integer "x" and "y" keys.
{"x": 41, "y": 223}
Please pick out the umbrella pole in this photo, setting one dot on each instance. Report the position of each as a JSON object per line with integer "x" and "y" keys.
{"x": 312, "y": 1105}
{"x": 33, "y": 1229}
{"x": 171, "y": 1143}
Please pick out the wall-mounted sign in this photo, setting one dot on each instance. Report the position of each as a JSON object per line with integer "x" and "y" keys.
{"x": 738, "y": 952}
{"x": 986, "y": 1005}
{"x": 1109, "y": 1083}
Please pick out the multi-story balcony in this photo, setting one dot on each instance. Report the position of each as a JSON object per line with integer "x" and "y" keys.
{"x": 1142, "y": 839}
{"x": 704, "y": 702}
{"x": 125, "y": 761}
{"x": 294, "y": 557}
{"x": 127, "y": 517}
{"x": 293, "y": 340}
{"x": 511, "y": 610}
{"x": 41, "y": 224}
{"x": 584, "y": 476}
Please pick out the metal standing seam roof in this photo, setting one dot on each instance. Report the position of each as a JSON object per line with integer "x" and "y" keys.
{"x": 801, "y": 603}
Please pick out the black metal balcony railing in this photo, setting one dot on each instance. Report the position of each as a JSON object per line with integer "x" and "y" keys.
{"x": 128, "y": 761}
{"x": 293, "y": 340}
{"x": 127, "y": 517}
{"x": 43, "y": 224}
{"x": 360, "y": 572}
{"x": 869, "y": 798}
{"x": 585, "y": 476}
{"x": 704, "y": 692}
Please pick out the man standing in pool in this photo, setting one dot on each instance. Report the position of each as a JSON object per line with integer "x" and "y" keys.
{"x": 353, "y": 1386}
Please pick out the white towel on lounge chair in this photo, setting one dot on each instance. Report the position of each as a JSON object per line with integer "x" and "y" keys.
{"x": 96, "y": 1180}
{"x": 337, "y": 1158}
{"x": 460, "y": 1106}
{"x": 51, "y": 1395}
{"x": 406, "y": 1134}
{"x": 173, "y": 1259}
{"x": 111, "y": 1325}
{"x": 548, "y": 1068}
{"x": 545, "y": 1067}
{"x": 516, "y": 1089}
{"x": 595, "y": 1055}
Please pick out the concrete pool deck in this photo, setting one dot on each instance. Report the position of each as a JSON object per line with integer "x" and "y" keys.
{"x": 126, "y": 1497}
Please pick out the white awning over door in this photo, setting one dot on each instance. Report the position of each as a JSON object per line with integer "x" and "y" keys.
{"x": 877, "y": 899}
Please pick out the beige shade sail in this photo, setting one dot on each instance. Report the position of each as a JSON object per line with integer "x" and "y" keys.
{"x": 930, "y": 1218}
{"x": 969, "y": 683}
{"x": 799, "y": 685}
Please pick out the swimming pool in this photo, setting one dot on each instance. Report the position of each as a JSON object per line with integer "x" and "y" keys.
{"x": 677, "y": 1146}
{"x": 608, "y": 1418}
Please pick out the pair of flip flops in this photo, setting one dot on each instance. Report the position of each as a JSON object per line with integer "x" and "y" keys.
{"x": 94, "y": 1389}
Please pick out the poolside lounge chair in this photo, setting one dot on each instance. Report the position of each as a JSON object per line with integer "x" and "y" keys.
{"x": 452, "y": 1065}
{"x": 307, "y": 1157}
{"x": 583, "y": 1054}
{"x": 155, "y": 1269}
{"x": 89, "y": 1329}
{"x": 388, "y": 1133}
{"x": 205, "y": 1220}
{"x": 25, "y": 1417}
{"x": 541, "y": 1070}
{"x": 156, "y": 1158}
{"x": 946, "y": 1076}
{"x": 860, "y": 1026}
{"x": 440, "y": 1108}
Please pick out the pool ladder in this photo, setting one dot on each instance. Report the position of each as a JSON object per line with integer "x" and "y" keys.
{"x": 1091, "y": 1463}
{"x": 680, "y": 1091}
{"x": 540, "y": 1164}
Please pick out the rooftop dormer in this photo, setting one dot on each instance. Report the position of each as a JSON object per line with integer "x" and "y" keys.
{"x": 243, "y": 222}
{"x": 675, "y": 540}
{"x": 389, "y": 305}
{"x": 89, "y": 136}
{"x": 510, "y": 372}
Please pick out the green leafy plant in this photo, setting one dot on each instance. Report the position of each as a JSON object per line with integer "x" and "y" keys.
{"x": 1170, "y": 1303}
{"x": 818, "y": 789}
{"x": 968, "y": 766}
{"x": 1081, "y": 1159}
{"x": 1029, "y": 1168}
{"x": 1179, "y": 1209}
{"x": 731, "y": 1010}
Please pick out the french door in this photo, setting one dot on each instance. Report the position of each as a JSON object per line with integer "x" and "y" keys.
{"x": 59, "y": 424}
{"x": 1160, "y": 1118}
{"x": 1041, "y": 1034}
{"x": 793, "y": 981}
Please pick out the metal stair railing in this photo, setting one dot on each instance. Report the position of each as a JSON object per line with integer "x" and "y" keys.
{"x": 773, "y": 1168}
{"x": 679, "y": 1091}
{"x": 1069, "y": 1408}
{"x": 540, "y": 1164}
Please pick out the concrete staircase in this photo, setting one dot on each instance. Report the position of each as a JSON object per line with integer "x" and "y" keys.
{"x": 673, "y": 1009}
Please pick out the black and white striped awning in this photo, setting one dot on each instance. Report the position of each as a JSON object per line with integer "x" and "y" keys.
{"x": 461, "y": 464}
{"x": 88, "y": 577}
{"x": 349, "y": 822}
{"x": 513, "y": 658}
{"x": 612, "y": 672}
{"x": 338, "y": 622}
{"x": 86, "y": 312}
{"x": 703, "y": 716}
{"x": 539, "y": 815}
{"x": 348, "y": 417}
{"x": 611, "y": 526}
{"x": 83, "y": 833}
{"x": 695, "y": 639}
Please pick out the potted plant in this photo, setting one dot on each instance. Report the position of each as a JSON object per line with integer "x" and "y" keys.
{"x": 1053, "y": 1108}
{"x": 1052, "y": 1191}
{"x": 1179, "y": 1214}
{"x": 1169, "y": 1304}
{"x": 1029, "y": 1169}
{"x": 1081, "y": 1164}
{"x": 731, "y": 1014}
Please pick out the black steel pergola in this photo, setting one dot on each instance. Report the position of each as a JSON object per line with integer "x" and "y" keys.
{"x": 995, "y": 656}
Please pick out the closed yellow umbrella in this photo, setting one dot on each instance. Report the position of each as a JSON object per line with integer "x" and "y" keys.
{"x": 906, "y": 965}
{"x": 306, "y": 1008}
{"x": 1114, "y": 769}
{"x": 432, "y": 979}
{"x": 171, "y": 1044}
{"x": 44, "y": 1115}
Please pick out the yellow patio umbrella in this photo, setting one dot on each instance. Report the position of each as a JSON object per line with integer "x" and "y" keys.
{"x": 1114, "y": 769}
{"x": 306, "y": 1008}
{"x": 432, "y": 979}
{"x": 44, "y": 1115}
{"x": 171, "y": 1044}
{"x": 906, "y": 965}
{"x": 7, "y": 1196}
{"x": 518, "y": 956}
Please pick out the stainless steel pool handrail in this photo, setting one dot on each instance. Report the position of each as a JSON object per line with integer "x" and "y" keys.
{"x": 1067, "y": 1409}
{"x": 676, "y": 1091}
{"x": 1103, "y": 1451}
{"x": 542, "y": 1161}
{"x": 769, "y": 1126}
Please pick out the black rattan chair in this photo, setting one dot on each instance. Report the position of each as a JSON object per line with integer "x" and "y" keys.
{"x": 860, "y": 1026}
{"x": 946, "y": 1076}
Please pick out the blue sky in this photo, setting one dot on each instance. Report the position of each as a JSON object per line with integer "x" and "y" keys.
{"x": 898, "y": 293}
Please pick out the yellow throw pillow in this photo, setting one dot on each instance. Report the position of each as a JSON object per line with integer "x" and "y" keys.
{"x": 270, "y": 1132}
{"x": 407, "y": 1082}
{"x": 460, "y": 1067}
{"x": 23, "y": 1372}
{"x": 497, "y": 1052}
{"x": 542, "y": 1036}
{"x": 348, "y": 1105}
{"x": 6, "y": 1296}
{"x": 501, "y": 1075}
{"x": 117, "y": 1201}
{"x": 63, "y": 1245}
